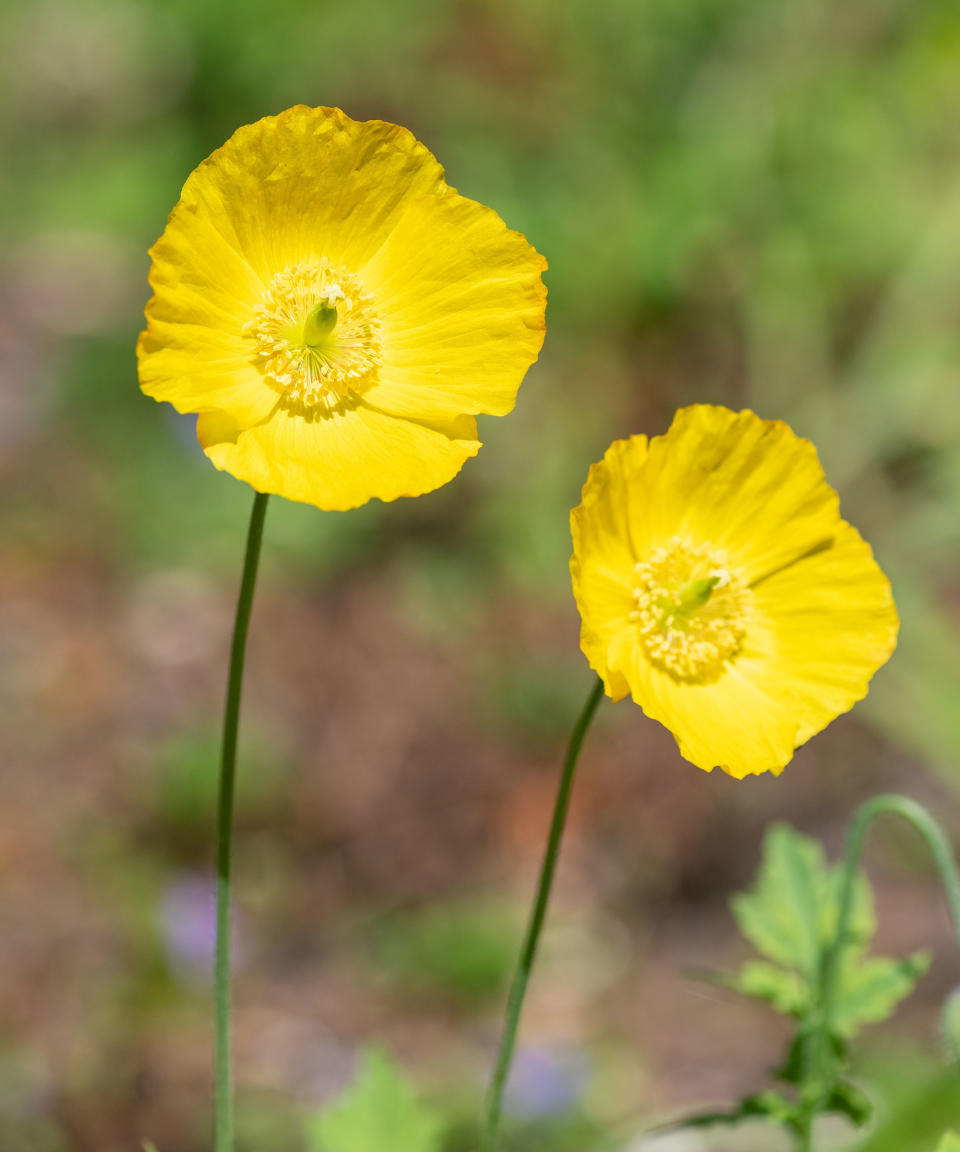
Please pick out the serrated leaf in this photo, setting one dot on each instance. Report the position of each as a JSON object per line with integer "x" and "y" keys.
{"x": 770, "y": 1105}
{"x": 869, "y": 990}
{"x": 380, "y": 1110}
{"x": 949, "y": 1143}
{"x": 780, "y": 915}
{"x": 792, "y": 909}
{"x": 784, "y": 990}
{"x": 791, "y": 915}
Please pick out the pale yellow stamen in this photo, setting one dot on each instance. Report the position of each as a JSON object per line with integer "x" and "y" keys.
{"x": 691, "y": 609}
{"x": 316, "y": 335}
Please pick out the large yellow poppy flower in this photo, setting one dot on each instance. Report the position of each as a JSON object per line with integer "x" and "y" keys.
{"x": 335, "y": 312}
{"x": 718, "y": 585}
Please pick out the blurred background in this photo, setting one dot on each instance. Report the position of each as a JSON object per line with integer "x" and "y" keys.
{"x": 753, "y": 202}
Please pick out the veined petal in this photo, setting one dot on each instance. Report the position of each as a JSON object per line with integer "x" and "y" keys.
{"x": 603, "y": 558}
{"x": 737, "y": 723}
{"x": 463, "y": 305}
{"x": 749, "y": 486}
{"x": 309, "y": 182}
{"x": 827, "y": 623}
{"x": 340, "y": 460}
{"x": 195, "y": 369}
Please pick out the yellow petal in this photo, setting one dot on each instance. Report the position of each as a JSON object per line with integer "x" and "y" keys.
{"x": 746, "y": 485}
{"x": 193, "y": 353}
{"x": 310, "y": 181}
{"x": 463, "y": 306}
{"x": 602, "y": 563}
{"x": 343, "y": 459}
{"x": 741, "y": 725}
{"x": 827, "y": 623}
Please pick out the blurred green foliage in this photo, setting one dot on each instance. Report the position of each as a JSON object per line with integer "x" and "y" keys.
{"x": 920, "y": 1101}
{"x": 462, "y": 951}
{"x": 183, "y": 780}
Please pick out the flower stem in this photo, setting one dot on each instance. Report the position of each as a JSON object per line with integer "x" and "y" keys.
{"x": 932, "y": 833}
{"x": 228, "y": 762}
{"x": 943, "y": 857}
{"x": 521, "y": 975}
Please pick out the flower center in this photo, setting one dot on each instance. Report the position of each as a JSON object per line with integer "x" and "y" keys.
{"x": 691, "y": 610}
{"x": 316, "y": 335}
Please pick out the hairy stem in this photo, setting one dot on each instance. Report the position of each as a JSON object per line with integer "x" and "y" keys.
{"x": 228, "y": 761}
{"x": 521, "y": 976}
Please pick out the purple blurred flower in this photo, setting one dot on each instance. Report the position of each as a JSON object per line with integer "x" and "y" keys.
{"x": 544, "y": 1082}
{"x": 188, "y": 917}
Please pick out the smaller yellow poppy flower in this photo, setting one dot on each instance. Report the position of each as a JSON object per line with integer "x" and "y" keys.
{"x": 719, "y": 586}
{"x": 335, "y": 313}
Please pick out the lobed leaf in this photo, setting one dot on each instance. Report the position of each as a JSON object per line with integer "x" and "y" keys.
{"x": 790, "y": 916}
{"x": 780, "y": 916}
{"x": 783, "y": 990}
{"x": 869, "y": 990}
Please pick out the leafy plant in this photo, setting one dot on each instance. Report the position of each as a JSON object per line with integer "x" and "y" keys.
{"x": 379, "y": 1110}
{"x": 792, "y": 917}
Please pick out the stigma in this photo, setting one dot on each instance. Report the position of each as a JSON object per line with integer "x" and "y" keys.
{"x": 316, "y": 336}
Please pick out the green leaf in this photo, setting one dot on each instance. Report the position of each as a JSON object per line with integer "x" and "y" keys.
{"x": 792, "y": 911}
{"x": 780, "y": 916}
{"x": 783, "y": 990}
{"x": 869, "y": 990}
{"x": 949, "y": 1143}
{"x": 790, "y": 917}
{"x": 379, "y": 1111}
{"x": 769, "y": 1105}
{"x": 851, "y": 1102}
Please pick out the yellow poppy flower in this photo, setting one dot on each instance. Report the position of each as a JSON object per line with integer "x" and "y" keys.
{"x": 335, "y": 312}
{"x": 719, "y": 586}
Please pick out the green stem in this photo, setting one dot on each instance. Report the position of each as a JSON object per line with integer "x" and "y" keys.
{"x": 521, "y": 976}
{"x": 805, "y": 1133}
{"x": 228, "y": 763}
{"x": 943, "y": 856}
